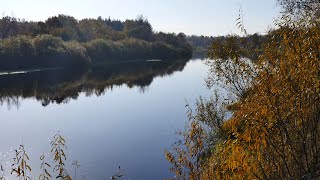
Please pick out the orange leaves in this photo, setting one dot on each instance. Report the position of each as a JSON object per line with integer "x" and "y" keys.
{"x": 269, "y": 123}
{"x": 20, "y": 166}
{"x": 275, "y": 130}
{"x": 58, "y": 148}
{"x": 186, "y": 157}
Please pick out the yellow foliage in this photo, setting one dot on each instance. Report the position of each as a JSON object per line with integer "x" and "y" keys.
{"x": 275, "y": 131}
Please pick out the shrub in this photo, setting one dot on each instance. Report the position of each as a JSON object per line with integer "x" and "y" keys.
{"x": 75, "y": 49}
{"x": 100, "y": 49}
{"x": 17, "y": 46}
{"x": 49, "y": 45}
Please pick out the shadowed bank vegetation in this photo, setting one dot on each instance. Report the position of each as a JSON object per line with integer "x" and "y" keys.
{"x": 64, "y": 41}
{"x": 274, "y": 128}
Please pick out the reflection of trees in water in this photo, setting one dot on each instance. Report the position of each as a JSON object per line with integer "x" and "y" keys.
{"x": 61, "y": 86}
{"x": 143, "y": 89}
{"x": 10, "y": 101}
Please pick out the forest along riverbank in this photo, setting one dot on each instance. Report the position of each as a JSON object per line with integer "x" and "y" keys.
{"x": 63, "y": 41}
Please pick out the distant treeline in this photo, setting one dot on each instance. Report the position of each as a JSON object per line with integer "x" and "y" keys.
{"x": 200, "y": 42}
{"x": 251, "y": 45}
{"x": 65, "y": 41}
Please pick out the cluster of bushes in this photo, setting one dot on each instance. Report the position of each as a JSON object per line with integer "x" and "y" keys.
{"x": 64, "y": 41}
{"x": 22, "y": 51}
{"x": 101, "y": 50}
{"x": 46, "y": 50}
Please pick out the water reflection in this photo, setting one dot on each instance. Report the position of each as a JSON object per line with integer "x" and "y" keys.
{"x": 123, "y": 127}
{"x": 61, "y": 85}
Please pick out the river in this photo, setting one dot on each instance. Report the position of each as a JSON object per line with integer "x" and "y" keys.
{"x": 121, "y": 115}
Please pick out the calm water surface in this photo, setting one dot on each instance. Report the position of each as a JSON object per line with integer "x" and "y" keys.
{"x": 122, "y": 117}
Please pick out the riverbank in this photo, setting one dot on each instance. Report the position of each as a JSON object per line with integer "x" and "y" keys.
{"x": 47, "y": 51}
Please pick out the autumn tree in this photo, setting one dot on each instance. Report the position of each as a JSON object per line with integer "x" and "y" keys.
{"x": 274, "y": 130}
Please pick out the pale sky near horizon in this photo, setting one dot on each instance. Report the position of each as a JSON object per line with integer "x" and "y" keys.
{"x": 201, "y": 17}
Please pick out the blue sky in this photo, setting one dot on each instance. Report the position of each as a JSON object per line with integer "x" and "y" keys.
{"x": 199, "y": 17}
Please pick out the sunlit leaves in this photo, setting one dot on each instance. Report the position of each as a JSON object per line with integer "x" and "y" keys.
{"x": 186, "y": 159}
{"x": 274, "y": 132}
{"x": 22, "y": 170}
{"x": 44, "y": 167}
{"x": 203, "y": 132}
{"x": 20, "y": 166}
{"x": 58, "y": 148}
